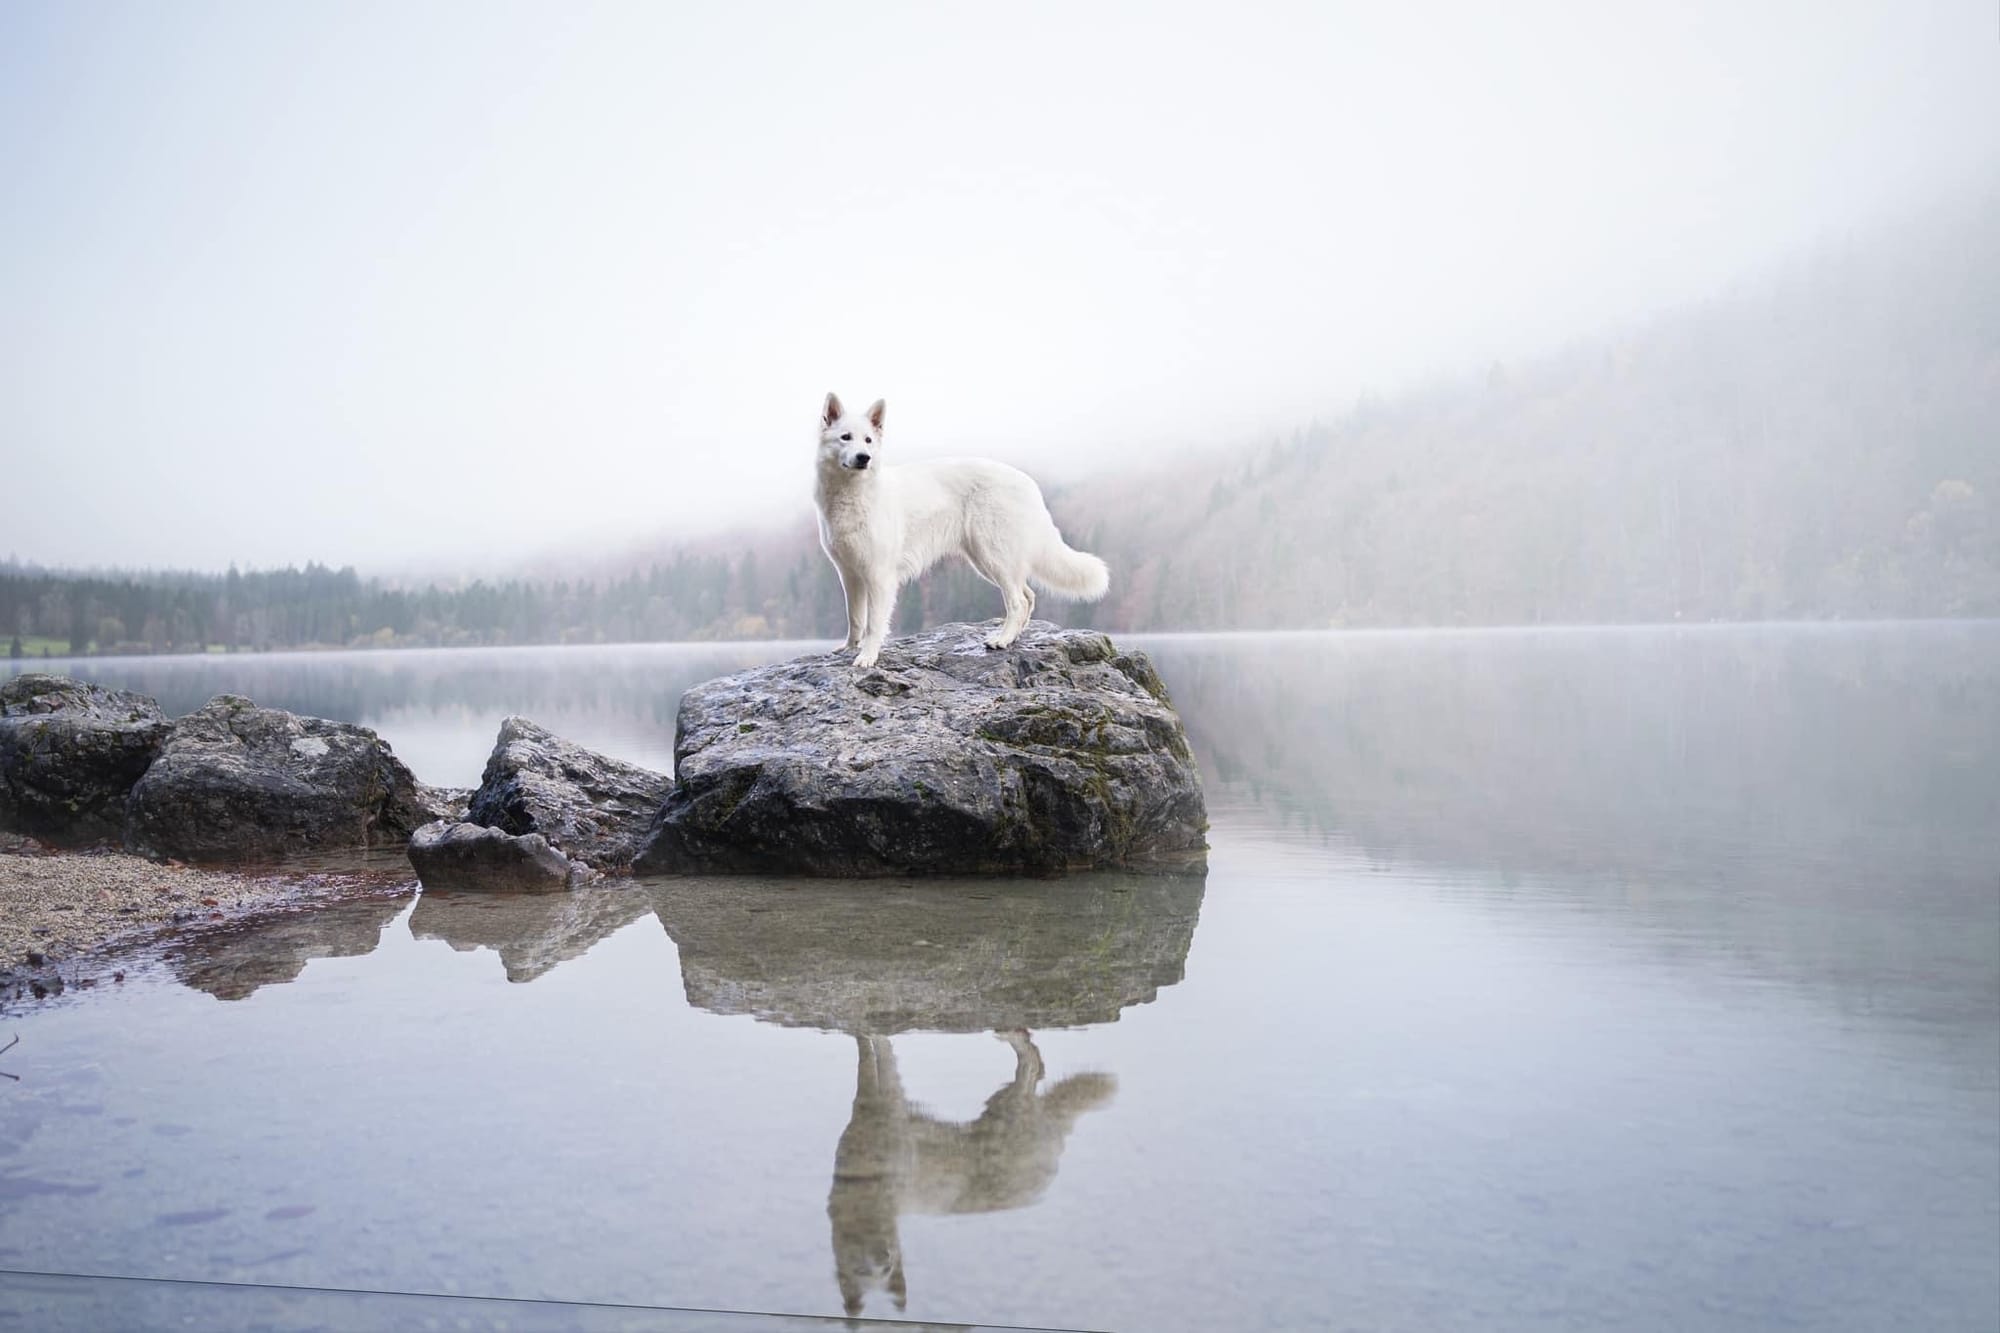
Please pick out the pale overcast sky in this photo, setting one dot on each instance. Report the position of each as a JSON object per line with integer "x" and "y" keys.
{"x": 443, "y": 286}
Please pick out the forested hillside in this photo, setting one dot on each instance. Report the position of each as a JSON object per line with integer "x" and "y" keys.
{"x": 1822, "y": 444}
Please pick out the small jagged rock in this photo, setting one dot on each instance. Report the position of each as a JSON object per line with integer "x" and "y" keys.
{"x": 1059, "y": 753}
{"x": 69, "y": 756}
{"x": 236, "y": 782}
{"x": 596, "y": 809}
{"x": 451, "y": 854}
{"x": 444, "y": 802}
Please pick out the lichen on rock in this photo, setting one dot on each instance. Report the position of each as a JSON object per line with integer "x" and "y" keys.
{"x": 236, "y": 781}
{"x": 594, "y": 808}
{"x": 70, "y": 753}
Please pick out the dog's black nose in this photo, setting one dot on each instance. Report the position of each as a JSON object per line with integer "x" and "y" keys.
{"x": 861, "y": 460}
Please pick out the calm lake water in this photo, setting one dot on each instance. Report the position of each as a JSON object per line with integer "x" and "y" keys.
{"x": 1639, "y": 979}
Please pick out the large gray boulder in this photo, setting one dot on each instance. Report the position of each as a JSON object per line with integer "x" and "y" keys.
{"x": 450, "y": 854}
{"x": 69, "y": 755}
{"x": 237, "y": 781}
{"x": 595, "y": 809}
{"x": 1059, "y": 753}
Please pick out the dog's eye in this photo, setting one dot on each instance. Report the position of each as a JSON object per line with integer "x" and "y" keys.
{"x": 848, "y": 436}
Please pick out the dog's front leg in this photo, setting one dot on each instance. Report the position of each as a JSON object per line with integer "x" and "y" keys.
{"x": 855, "y": 589}
{"x": 881, "y": 608}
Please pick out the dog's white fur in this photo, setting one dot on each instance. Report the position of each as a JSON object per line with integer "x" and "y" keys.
{"x": 882, "y": 526}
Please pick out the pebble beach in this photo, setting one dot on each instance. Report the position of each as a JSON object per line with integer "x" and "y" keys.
{"x": 58, "y": 906}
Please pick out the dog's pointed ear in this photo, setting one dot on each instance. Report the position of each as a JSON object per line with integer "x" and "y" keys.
{"x": 875, "y": 412}
{"x": 832, "y": 411}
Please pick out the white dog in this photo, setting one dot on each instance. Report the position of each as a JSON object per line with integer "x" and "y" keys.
{"x": 883, "y": 526}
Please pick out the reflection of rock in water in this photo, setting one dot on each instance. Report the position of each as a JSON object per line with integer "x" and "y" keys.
{"x": 531, "y": 932}
{"x": 231, "y": 964}
{"x": 937, "y": 955}
{"x": 879, "y": 958}
{"x": 895, "y": 1159}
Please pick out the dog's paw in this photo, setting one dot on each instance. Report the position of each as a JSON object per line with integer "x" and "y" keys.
{"x": 864, "y": 660}
{"x": 995, "y": 642}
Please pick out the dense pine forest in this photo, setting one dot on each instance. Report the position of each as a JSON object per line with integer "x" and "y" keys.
{"x": 52, "y": 613}
{"x": 1823, "y": 444}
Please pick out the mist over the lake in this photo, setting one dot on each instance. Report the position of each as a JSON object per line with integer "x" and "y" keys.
{"x": 1305, "y": 315}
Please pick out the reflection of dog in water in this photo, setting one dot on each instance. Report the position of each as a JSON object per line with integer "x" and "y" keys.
{"x": 895, "y": 1159}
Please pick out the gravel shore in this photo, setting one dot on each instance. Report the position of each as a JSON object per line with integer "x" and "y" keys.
{"x": 56, "y": 906}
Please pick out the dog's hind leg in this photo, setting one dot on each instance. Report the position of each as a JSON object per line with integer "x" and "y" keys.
{"x": 1017, "y": 598}
{"x": 1020, "y": 602}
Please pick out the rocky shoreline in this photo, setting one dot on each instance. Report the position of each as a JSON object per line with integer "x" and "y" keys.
{"x": 1059, "y": 754}
{"x": 66, "y": 910}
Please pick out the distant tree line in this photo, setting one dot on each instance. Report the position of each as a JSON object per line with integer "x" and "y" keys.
{"x": 712, "y": 596}
{"x": 722, "y": 595}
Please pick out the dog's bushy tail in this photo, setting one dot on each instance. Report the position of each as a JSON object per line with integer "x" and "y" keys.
{"x": 1080, "y": 1092}
{"x": 1071, "y": 573}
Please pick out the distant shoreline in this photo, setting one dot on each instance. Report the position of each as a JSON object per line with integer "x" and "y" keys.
{"x": 32, "y": 663}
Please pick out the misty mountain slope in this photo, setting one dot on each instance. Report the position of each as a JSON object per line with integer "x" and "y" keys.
{"x": 1827, "y": 444}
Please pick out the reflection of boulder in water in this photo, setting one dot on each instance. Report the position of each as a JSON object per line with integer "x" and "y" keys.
{"x": 878, "y": 958}
{"x": 531, "y": 932}
{"x": 937, "y": 955}
{"x": 231, "y": 964}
